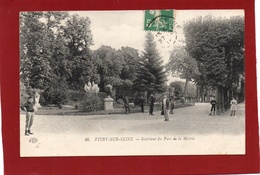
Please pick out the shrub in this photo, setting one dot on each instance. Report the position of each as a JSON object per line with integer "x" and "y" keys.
{"x": 102, "y": 95}
{"x": 56, "y": 93}
{"x": 91, "y": 102}
{"x": 76, "y": 95}
{"x": 182, "y": 100}
{"x": 120, "y": 101}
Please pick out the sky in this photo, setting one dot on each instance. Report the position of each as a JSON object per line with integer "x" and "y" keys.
{"x": 125, "y": 28}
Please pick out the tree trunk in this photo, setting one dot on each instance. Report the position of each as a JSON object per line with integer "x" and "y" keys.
{"x": 219, "y": 100}
{"x": 202, "y": 94}
{"x": 197, "y": 90}
{"x": 185, "y": 87}
{"x": 222, "y": 100}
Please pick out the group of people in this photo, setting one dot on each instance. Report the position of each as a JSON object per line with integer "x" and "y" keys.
{"x": 167, "y": 104}
{"x": 233, "y": 107}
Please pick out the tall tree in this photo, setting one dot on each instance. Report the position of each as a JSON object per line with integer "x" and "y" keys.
{"x": 217, "y": 44}
{"x": 128, "y": 73}
{"x": 183, "y": 65}
{"x": 78, "y": 38}
{"x": 151, "y": 74}
{"x": 55, "y": 45}
{"x": 34, "y": 60}
{"x": 109, "y": 66}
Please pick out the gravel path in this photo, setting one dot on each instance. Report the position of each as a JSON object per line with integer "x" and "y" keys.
{"x": 198, "y": 132}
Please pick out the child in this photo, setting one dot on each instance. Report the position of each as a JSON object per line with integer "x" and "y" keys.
{"x": 29, "y": 109}
{"x": 213, "y": 107}
{"x": 233, "y": 107}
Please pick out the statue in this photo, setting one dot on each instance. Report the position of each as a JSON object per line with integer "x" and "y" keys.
{"x": 108, "y": 89}
{"x": 95, "y": 88}
{"x": 91, "y": 87}
{"x": 37, "y": 105}
{"x": 108, "y": 102}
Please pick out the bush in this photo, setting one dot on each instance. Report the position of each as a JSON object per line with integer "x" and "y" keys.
{"x": 91, "y": 102}
{"x": 76, "y": 95}
{"x": 182, "y": 100}
{"x": 120, "y": 101}
{"x": 56, "y": 93}
{"x": 102, "y": 95}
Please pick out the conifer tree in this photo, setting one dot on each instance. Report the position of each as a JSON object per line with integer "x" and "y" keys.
{"x": 151, "y": 74}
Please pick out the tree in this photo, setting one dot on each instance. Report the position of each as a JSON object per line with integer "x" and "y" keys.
{"x": 81, "y": 64}
{"x": 109, "y": 66}
{"x": 34, "y": 61}
{"x": 183, "y": 65}
{"x": 56, "y": 45}
{"x": 151, "y": 74}
{"x": 128, "y": 73}
{"x": 218, "y": 46}
{"x": 178, "y": 89}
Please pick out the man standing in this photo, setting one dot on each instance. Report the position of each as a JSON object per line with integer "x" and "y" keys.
{"x": 151, "y": 104}
{"x": 165, "y": 107}
{"x": 213, "y": 103}
{"x": 142, "y": 103}
{"x": 171, "y": 105}
{"x": 29, "y": 109}
{"x": 126, "y": 103}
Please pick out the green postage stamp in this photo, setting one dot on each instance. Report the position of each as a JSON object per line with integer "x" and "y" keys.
{"x": 159, "y": 20}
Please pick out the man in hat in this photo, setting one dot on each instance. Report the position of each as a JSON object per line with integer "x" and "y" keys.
{"x": 29, "y": 109}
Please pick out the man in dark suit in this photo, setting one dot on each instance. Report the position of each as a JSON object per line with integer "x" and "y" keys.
{"x": 152, "y": 100}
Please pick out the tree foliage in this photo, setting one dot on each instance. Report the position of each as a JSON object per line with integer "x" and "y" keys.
{"x": 109, "y": 63}
{"x": 151, "y": 74}
{"x": 183, "y": 65}
{"x": 55, "y": 45}
{"x": 217, "y": 44}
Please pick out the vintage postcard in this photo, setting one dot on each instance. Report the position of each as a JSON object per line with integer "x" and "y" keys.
{"x": 132, "y": 83}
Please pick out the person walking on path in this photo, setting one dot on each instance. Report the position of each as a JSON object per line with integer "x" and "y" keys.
{"x": 171, "y": 105}
{"x": 28, "y": 107}
{"x": 165, "y": 107}
{"x": 152, "y": 100}
{"x": 233, "y": 107}
{"x": 126, "y": 104}
{"x": 213, "y": 103}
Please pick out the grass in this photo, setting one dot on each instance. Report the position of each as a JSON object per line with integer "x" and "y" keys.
{"x": 117, "y": 110}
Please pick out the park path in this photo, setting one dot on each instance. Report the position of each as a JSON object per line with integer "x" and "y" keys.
{"x": 193, "y": 122}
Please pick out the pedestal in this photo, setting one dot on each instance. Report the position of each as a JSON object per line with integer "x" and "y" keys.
{"x": 108, "y": 103}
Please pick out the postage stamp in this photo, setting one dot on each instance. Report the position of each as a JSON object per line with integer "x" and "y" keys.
{"x": 159, "y": 20}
